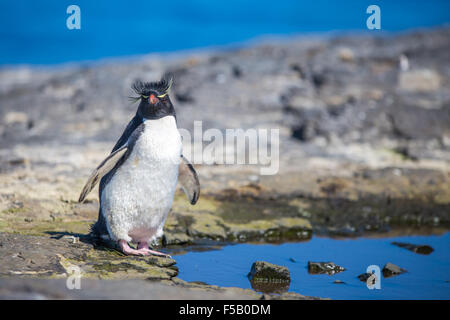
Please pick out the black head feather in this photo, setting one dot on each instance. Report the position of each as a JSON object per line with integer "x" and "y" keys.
{"x": 160, "y": 87}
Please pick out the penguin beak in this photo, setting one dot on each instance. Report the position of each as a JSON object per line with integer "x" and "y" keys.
{"x": 153, "y": 99}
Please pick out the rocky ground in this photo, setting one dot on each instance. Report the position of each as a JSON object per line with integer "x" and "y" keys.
{"x": 364, "y": 150}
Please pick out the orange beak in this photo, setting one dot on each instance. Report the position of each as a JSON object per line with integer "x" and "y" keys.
{"x": 153, "y": 99}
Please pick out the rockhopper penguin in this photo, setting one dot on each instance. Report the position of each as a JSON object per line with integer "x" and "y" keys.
{"x": 139, "y": 177}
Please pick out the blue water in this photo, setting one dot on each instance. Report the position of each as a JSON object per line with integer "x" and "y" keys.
{"x": 35, "y": 32}
{"x": 428, "y": 276}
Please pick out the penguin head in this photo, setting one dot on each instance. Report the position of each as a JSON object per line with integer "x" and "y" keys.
{"x": 154, "y": 100}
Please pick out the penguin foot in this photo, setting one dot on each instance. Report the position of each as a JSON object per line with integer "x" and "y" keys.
{"x": 125, "y": 247}
{"x": 144, "y": 246}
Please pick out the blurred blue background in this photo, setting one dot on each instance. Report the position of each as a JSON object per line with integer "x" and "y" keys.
{"x": 35, "y": 32}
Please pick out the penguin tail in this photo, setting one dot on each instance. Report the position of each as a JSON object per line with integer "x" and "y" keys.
{"x": 99, "y": 229}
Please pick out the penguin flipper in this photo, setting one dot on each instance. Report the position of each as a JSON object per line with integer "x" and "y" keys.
{"x": 188, "y": 179}
{"x": 104, "y": 167}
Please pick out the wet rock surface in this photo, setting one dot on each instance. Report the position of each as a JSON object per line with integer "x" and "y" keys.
{"x": 329, "y": 268}
{"x": 24, "y": 255}
{"x": 364, "y": 146}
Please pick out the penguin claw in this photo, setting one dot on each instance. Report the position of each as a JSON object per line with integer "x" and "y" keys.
{"x": 144, "y": 246}
{"x": 156, "y": 253}
{"x": 160, "y": 254}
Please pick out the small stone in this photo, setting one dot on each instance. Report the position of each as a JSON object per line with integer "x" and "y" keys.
{"x": 329, "y": 268}
{"x": 390, "y": 270}
{"x": 338, "y": 282}
{"x": 375, "y": 94}
{"x": 364, "y": 276}
{"x": 335, "y": 100}
{"x": 346, "y": 55}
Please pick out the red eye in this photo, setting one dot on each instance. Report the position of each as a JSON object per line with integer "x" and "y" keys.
{"x": 153, "y": 99}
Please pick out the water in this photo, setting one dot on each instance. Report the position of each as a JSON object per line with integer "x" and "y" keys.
{"x": 35, "y": 32}
{"x": 428, "y": 276}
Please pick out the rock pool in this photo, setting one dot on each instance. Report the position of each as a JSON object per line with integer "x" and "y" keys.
{"x": 427, "y": 276}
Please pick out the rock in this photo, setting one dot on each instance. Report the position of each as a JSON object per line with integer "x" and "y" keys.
{"x": 265, "y": 271}
{"x": 424, "y": 80}
{"x": 420, "y": 249}
{"x": 319, "y": 79}
{"x": 324, "y": 267}
{"x": 390, "y": 270}
{"x": 338, "y": 282}
{"x": 268, "y": 278}
{"x": 346, "y": 54}
{"x": 305, "y": 132}
{"x": 52, "y": 257}
{"x": 15, "y": 117}
{"x": 417, "y": 123}
{"x": 235, "y": 218}
{"x": 368, "y": 278}
{"x": 364, "y": 276}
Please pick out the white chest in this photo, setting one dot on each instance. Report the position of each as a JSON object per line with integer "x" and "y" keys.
{"x": 158, "y": 145}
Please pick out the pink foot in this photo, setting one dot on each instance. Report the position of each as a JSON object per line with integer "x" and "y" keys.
{"x": 130, "y": 251}
{"x": 144, "y": 246}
